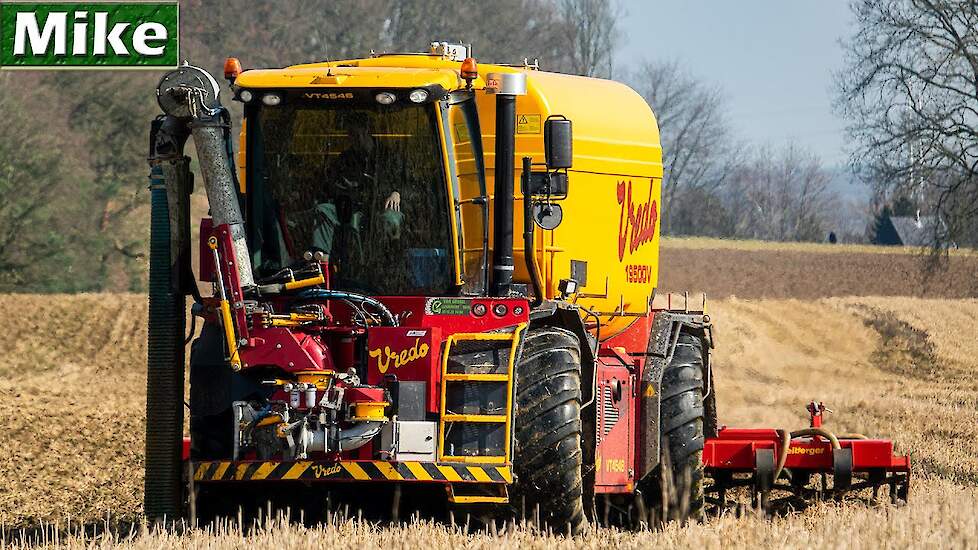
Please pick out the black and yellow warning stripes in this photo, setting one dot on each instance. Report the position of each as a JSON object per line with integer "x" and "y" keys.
{"x": 375, "y": 470}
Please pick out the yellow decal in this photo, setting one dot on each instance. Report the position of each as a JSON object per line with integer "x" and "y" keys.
{"x": 528, "y": 124}
{"x": 650, "y": 391}
{"x": 615, "y": 465}
{"x": 806, "y": 450}
{"x": 400, "y": 358}
{"x": 597, "y": 464}
{"x": 326, "y": 471}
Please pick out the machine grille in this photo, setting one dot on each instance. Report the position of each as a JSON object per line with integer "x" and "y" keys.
{"x": 609, "y": 413}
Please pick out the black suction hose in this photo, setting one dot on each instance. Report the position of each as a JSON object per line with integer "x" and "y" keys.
{"x": 165, "y": 360}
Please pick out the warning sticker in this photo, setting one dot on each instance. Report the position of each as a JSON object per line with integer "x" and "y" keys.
{"x": 527, "y": 124}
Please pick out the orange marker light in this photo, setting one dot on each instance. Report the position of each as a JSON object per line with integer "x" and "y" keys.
{"x": 232, "y": 68}
{"x": 470, "y": 69}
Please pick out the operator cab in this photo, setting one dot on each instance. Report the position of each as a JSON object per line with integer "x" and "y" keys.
{"x": 368, "y": 176}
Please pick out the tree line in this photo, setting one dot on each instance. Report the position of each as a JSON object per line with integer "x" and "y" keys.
{"x": 73, "y": 177}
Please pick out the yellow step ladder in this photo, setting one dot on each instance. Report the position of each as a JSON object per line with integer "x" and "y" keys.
{"x": 463, "y": 380}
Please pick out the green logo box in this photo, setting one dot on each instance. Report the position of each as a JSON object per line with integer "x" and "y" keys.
{"x": 89, "y": 35}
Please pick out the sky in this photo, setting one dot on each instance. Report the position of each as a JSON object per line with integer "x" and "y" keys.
{"x": 773, "y": 59}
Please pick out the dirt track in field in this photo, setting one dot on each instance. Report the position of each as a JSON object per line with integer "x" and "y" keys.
{"x": 72, "y": 385}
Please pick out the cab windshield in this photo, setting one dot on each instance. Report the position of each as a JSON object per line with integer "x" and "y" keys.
{"x": 364, "y": 184}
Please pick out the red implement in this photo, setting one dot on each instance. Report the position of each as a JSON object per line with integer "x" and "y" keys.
{"x": 767, "y": 460}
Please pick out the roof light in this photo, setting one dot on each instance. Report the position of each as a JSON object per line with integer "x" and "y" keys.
{"x": 232, "y": 68}
{"x": 470, "y": 69}
{"x": 246, "y": 96}
{"x": 271, "y": 99}
{"x": 385, "y": 98}
{"x": 418, "y": 96}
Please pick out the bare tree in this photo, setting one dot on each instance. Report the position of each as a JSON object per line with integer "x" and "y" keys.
{"x": 698, "y": 148}
{"x": 592, "y": 33}
{"x": 911, "y": 92}
{"x": 781, "y": 195}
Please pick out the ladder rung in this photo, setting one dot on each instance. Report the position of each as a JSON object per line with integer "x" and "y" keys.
{"x": 501, "y": 495}
{"x": 478, "y": 499}
{"x": 497, "y": 418}
{"x": 476, "y": 377}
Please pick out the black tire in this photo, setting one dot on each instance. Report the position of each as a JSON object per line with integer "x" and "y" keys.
{"x": 682, "y": 415}
{"x": 547, "y": 456}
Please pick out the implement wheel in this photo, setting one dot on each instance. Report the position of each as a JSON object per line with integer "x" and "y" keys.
{"x": 547, "y": 457}
{"x": 682, "y": 415}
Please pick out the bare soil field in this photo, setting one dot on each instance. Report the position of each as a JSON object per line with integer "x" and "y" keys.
{"x": 72, "y": 386}
{"x": 754, "y": 269}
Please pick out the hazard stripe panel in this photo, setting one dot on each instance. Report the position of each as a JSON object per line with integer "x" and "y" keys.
{"x": 349, "y": 470}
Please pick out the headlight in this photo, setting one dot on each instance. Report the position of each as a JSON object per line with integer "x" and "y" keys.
{"x": 385, "y": 98}
{"x": 246, "y": 96}
{"x": 271, "y": 99}
{"x": 418, "y": 96}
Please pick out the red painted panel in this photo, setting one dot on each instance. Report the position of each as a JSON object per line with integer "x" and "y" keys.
{"x": 614, "y": 458}
{"x": 410, "y": 353}
{"x": 292, "y": 351}
{"x": 456, "y": 314}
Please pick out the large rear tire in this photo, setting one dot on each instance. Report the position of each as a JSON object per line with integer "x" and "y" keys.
{"x": 682, "y": 414}
{"x": 547, "y": 457}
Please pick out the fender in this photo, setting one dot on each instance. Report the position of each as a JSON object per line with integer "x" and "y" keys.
{"x": 666, "y": 327}
{"x": 567, "y": 316}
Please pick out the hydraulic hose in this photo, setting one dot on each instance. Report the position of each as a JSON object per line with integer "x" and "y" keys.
{"x": 822, "y": 432}
{"x": 529, "y": 254}
{"x": 330, "y": 294}
{"x": 787, "y": 437}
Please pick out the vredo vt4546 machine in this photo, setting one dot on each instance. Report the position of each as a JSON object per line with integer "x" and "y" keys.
{"x": 373, "y": 323}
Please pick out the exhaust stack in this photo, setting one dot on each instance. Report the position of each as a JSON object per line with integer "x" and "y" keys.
{"x": 506, "y": 87}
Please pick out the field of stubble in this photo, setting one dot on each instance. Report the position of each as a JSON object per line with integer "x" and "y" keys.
{"x": 900, "y": 366}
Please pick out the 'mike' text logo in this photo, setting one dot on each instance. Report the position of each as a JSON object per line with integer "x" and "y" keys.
{"x": 636, "y": 225}
{"x": 89, "y": 35}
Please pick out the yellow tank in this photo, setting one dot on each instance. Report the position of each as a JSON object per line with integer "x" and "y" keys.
{"x": 612, "y": 211}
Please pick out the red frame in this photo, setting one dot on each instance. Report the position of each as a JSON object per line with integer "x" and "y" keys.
{"x": 735, "y": 449}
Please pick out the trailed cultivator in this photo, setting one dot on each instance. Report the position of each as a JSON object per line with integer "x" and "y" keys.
{"x": 374, "y": 327}
{"x": 810, "y": 463}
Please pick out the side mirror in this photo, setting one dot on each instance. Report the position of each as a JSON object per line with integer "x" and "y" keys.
{"x": 558, "y": 142}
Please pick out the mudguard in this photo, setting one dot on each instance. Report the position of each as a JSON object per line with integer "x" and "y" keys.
{"x": 666, "y": 327}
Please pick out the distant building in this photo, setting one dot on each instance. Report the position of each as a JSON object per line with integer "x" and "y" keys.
{"x": 917, "y": 231}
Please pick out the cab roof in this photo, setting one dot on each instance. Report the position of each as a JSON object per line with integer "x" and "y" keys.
{"x": 614, "y": 128}
{"x": 314, "y": 76}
